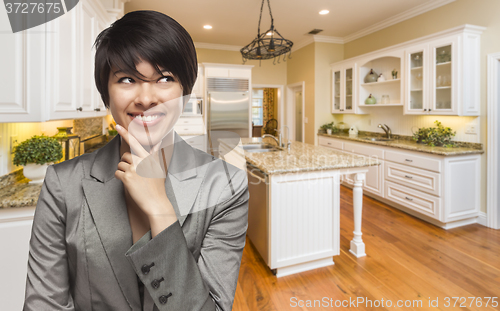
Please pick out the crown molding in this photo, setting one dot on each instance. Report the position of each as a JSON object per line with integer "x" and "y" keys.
{"x": 214, "y": 46}
{"x": 423, "y": 8}
{"x": 328, "y": 39}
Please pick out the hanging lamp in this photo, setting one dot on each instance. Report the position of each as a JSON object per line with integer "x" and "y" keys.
{"x": 265, "y": 47}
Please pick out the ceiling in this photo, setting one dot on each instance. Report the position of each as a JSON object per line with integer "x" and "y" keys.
{"x": 235, "y": 22}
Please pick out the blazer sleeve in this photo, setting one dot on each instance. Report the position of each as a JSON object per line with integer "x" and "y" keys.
{"x": 47, "y": 282}
{"x": 169, "y": 271}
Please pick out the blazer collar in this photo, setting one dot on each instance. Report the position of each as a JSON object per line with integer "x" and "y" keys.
{"x": 106, "y": 200}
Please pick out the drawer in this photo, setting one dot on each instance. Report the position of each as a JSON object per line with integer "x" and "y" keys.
{"x": 330, "y": 142}
{"x": 187, "y": 120}
{"x": 189, "y": 128}
{"x": 426, "y": 163}
{"x": 418, "y": 201}
{"x": 365, "y": 150}
{"x": 415, "y": 178}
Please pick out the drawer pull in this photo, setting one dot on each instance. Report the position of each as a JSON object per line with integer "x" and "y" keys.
{"x": 408, "y": 160}
{"x": 409, "y": 199}
{"x": 410, "y": 177}
{"x": 186, "y": 121}
{"x": 186, "y": 129}
{"x": 329, "y": 143}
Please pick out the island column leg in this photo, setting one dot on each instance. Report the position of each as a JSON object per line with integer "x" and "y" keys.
{"x": 357, "y": 244}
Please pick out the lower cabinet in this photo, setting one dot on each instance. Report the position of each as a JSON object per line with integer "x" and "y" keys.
{"x": 15, "y": 233}
{"x": 443, "y": 190}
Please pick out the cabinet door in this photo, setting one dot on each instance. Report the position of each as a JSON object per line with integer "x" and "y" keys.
{"x": 22, "y": 73}
{"x": 336, "y": 89}
{"x": 349, "y": 89}
{"x": 88, "y": 28}
{"x": 444, "y": 76}
{"x": 101, "y": 109}
{"x": 63, "y": 74}
{"x": 198, "y": 85}
{"x": 417, "y": 91}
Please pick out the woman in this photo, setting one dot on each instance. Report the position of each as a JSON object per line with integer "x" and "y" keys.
{"x": 111, "y": 232}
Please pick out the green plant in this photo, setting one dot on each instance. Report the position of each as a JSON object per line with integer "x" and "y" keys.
{"x": 39, "y": 150}
{"x": 329, "y": 126}
{"x": 435, "y": 136}
{"x": 394, "y": 72}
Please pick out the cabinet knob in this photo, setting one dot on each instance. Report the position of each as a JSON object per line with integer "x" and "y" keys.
{"x": 429, "y": 110}
{"x": 97, "y": 109}
{"x": 79, "y": 108}
{"x": 425, "y": 109}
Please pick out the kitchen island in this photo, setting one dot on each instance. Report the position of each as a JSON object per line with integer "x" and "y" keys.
{"x": 294, "y": 207}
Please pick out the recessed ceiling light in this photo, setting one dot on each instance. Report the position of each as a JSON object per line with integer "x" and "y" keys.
{"x": 324, "y": 12}
{"x": 270, "y": 33}
{"x": 207, "y": 27}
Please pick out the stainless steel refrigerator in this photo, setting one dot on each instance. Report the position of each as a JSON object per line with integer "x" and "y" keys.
{"x": 228, "y": 109}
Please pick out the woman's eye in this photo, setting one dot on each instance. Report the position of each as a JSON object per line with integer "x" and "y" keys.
{"x": 167, "y": 79}
{"x": 125, "y": 80}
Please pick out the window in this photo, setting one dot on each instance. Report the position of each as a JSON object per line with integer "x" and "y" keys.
{"x": 257, "y": 106}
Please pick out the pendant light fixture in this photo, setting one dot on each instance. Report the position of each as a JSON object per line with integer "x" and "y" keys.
{"x": 266, "y": 46}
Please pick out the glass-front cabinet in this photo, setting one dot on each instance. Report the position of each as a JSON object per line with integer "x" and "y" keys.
{"x": 343, "y": 89}
{"x": 432, "y": 78}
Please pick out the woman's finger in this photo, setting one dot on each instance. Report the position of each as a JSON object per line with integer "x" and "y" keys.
{"x": 135, "y": 146}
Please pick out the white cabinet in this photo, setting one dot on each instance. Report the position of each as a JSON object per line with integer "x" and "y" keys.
{"x": 190, "y": 125}
{"x": 22, "y": 59}
{"x": 198, "y": 90}
{"x": 344, "y": 88}
{"x": 15, "y": 233}
{"x": 428, "y": 186}
{"x": 53, "y": 67}
{"x": 443, "y": 74}
{"x": 227, "y": 71}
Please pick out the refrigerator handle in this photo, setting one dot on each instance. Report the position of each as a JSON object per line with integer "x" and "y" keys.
{"x": 209, "y": 103}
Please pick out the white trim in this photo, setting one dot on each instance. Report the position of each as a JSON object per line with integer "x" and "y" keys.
{"x": 492, "y": 205}
{"x": 302, "y": 44}
{"x": 328, "y": 39}
{"x": 423, "y": 8}
{"x": 482, "y": 219}
{"x": 289, "y": 94}
{"x": 214, "y": 46}
{"x": 281, "y": 99}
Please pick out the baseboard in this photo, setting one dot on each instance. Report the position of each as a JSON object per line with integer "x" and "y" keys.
{"x": 482, "y": 219}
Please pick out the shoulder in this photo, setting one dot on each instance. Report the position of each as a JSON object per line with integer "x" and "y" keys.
{"x": 76, "y": 168}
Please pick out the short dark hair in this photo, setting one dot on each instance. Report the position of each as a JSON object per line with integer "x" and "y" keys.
{"x": 145, "y": 35}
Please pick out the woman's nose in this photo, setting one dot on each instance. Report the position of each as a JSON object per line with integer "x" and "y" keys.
{"x": 146, "y": 96}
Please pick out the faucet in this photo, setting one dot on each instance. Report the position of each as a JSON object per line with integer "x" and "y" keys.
{"x": 386, "y": 129}
{"x": 278, "y": 142}
{"x": 279, "y": 139}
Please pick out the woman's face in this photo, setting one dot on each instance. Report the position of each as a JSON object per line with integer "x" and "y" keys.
{"x": 147, "y": 109}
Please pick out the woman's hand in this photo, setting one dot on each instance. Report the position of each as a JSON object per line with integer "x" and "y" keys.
{"x": 147, "y": 192}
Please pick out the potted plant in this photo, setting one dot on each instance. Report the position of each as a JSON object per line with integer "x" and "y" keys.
{"x": 112, "y": 132}
{"x": 394, "y": 74}
{"x": 329, "y": 128}
{"x": 35, "y": 155}
{"x": 435, "y": 136}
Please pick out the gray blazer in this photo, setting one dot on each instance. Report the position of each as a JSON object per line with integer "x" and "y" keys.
{"x": 81, "y": 255}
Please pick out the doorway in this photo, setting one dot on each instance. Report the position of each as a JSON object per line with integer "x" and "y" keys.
{"x": 493, "y": 143}
{"x": 295, "y": 109}
{"x": 267, "y": 105}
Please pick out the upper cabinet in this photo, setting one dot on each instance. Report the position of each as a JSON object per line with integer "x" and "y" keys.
{"x": 198, "y": 85}
{"x": 56, "y": 79}
{"x": 442, "y": 77}
{"x": 343, "y": 88}
{"x": 438, "y": 74}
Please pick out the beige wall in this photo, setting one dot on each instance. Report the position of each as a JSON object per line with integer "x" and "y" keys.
{"x": 266, "y": 73}
{"x": 482, "y": 13}
{"x": 301, "y": 68}
{"x": 324, "y": 55}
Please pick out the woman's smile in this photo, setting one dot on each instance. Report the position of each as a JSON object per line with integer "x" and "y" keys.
{"x": 147, "y": 120}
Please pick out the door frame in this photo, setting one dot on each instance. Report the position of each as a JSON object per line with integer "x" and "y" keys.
{"x": 281, "y": 104}
{"x": 290, "y": 102}
{"x": 493, "y": 89}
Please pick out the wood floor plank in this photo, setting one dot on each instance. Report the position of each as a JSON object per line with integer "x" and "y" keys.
{"x": 407, "y": 259}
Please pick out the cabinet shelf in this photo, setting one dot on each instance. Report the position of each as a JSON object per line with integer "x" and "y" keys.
{"x": 443, "y": 64}
{"x": 382, "y": 105}
{"x": 443, "y": 87}
{"x": 379, "y": 83}
{"x": 417, "y": 68}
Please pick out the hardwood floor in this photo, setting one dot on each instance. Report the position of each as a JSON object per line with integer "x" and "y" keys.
{"x": 407, "y": 260}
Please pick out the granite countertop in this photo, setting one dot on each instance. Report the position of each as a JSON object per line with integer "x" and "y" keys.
{"x": 302, "y": 157}
{"x": 406, "y": 142}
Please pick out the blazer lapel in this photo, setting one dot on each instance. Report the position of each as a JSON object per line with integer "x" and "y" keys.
{"x": 106, "y": 200}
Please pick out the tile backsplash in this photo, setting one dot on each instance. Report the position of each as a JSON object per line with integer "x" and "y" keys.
{"x": 88, "y": 127}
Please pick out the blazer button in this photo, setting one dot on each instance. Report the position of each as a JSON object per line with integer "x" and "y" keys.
{"x": 156, "y": 283}
{"x": 145, "y": 268}
{"x": 163, "y": 299}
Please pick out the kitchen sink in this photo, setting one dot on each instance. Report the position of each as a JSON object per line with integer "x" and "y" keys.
{"x": 260, "y": 148}
{"x": 378, "y": 139}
